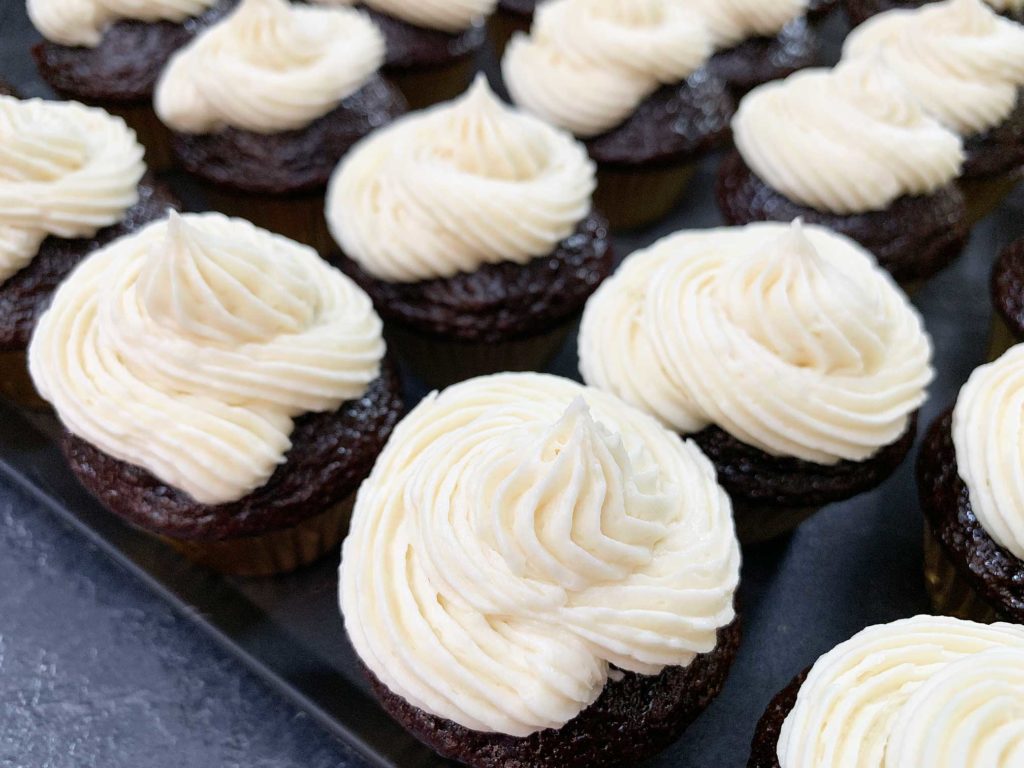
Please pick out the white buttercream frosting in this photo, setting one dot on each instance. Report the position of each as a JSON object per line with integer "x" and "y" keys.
{"x": 733, "y": 21}
{"x": 451, "y": 16}
{"x": 83, "y": 22}
{"x": 521, "y": 533}
{"x": 790, "y": 338}
{"x": 958, "y": 58}
{"x": 846, "y": 140}
{"x": 928, "y": 691}
{"x": 189, "y": 348}
{"x": 268, "y": 67}
{"x": 65, "y": 170}
{"x": 588, "y": 64}
{"x": 988, "y": 433}
{"x": 449, "y": 189}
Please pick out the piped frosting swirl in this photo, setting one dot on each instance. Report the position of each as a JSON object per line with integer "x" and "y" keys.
{"x": 189, "y": 348}
{"x": 929, "y": 691}
{"x": 269, "y": 67}
{"x": 588, "y": 64}
{"x": 65, "y": 170}
{"x": 846, "y": 140}
{"x": 449, "y": 189}
{"x": 733, "y": 21}
{"x": 988, "y": 433}
{"x": 790, "y": 338}
{"x": 958, "y": 58}
{"x": 83, "y": 22}
{"x": 521, "y": 533}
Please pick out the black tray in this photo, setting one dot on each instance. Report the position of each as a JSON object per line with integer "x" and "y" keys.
{"x": 855, "y": 564}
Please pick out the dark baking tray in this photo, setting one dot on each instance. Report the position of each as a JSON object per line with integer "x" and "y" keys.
{"x": 855, "y": 564}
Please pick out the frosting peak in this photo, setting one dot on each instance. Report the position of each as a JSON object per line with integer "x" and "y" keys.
{"x": 961, "y": 61}
{"x": 463, "y": 184}
{"x": 529, "y": 532}
{"x": 789, "y": 337}
{"x": 83, "y": 22}
{"x": 65, "y": 170}
{"x": 189, "y": 348}
{"x": 796, "y": 135}
{"x": 588, "y": 64}
{"x": 278, "y": 67}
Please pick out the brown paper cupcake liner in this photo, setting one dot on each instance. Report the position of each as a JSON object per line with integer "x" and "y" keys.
{"x": 299, "y": 217}
{"x": 502, "y": 25}
{"x": 273, "y": 553}
{"x": 951, "y": 594}
{"x": 1001, "y": 337}
{"x": 423, "y": 87}
{"x": 152, "y": 134}
{"x": 442, "y": 362}
{"x": 15, "y": 383}
{"x": 760, "y": 524}
{"x": 984, "y": 195}
{"x": 632, "y": 198}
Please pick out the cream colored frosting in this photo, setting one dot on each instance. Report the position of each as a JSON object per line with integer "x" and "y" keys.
{"x": 959, "y": 59}
{"x": 988, "y": 432}
{"x": 446, "y": 15}
{"x": 189, "y": 348}
{"x": 847, "y": 140}
{"x": 588, "y": 64}
{"x": 733, "y": 21}
{"x": 83, "y": 22}
{"x": 268, "y": 67}
{"x": 519, "y": 534}
{"x": 466, "y": 183}
{"x": 928, "y": 691}
{"x": 790, "y": 338}
{"x": 65, "y": 170}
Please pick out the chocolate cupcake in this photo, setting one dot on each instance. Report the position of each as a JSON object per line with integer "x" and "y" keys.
{"x": 787, "y": 355}
{"x": 71, "y": 180}
{"x": 265, "y": 103}
{"x": 572, "y": 565}
{"x": 861, "y": 10}
{"x": 1007, "y": 300}
{"x": 926, "y": 691}
{"x": 969, "y": 486}
{"x": 111, "y": 53}
{"x": 965, "y": 66}
{"x": 233, "y": 405}
{"x": 630, "y": 79}
{"x": 850, "y": 149}
{"x": 471, "y": 227}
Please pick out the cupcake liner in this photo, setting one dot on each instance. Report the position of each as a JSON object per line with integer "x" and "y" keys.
{"x": 441, "y": 362}
{"x": 758, "y": 524}
{"x": 951, "y": 594}
{"x": 632, "y": 198}
{"x": 423, "y": 87}
{"x": 1001, "y": 337}
{"x": 151, "y": 133}
{"x": 15, "y": 383}
{"x": 273, "y": 553}
{"x": 983, "y": 195}
{"x": 299, "y": 217}
{"x": 502, "y": 25}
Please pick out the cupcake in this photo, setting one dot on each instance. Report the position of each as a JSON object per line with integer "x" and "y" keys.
{"x": 471, "y": 226}
{"x": 263, "y": 105}
{"x": 757, "y": 42}
{"x": 71, "y": 180}
{"x": 849, "y": 149}
{"x": 783, "y": 351}
{"x": 111, "y": 53}
{"x": 860, "y": 10}
{"x": 968, "y": 477}
{"x": 1007, "y": 300}
{"x": 965, "y": 65}
{"x": 538, "y": 574}
{"x": 221, "y": 387}
{"x": 630, "y": 78}
{"x": 926, "y": 691}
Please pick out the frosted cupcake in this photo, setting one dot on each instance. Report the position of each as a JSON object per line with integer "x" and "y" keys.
{"x": 110, "y": 52}
{"x": 528, "y": 560}
{"x": 970, "y": 487}
{"x": 471, "y": 226}
{"x": 965, "y": 65}
{"x": 222, "y": 387}
{"x": 860, "y": 10}
{"x": 630, "y": 78}
{"x": 925, "y": 691}
{"x": 850, "y": 149}
{"x": 264, "y": 104}
{"x": 71, "y": 180}
{"x": 788, "y": 356}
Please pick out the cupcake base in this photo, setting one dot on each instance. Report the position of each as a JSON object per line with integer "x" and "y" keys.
{"x": 984, "y": 195}
{"x": 273, "y": 553}
{"x": 299, "y": 217}
{"x": 950, "y": 593}
{"x": 16, "y": 385}
{"x": 633, "y": 198}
